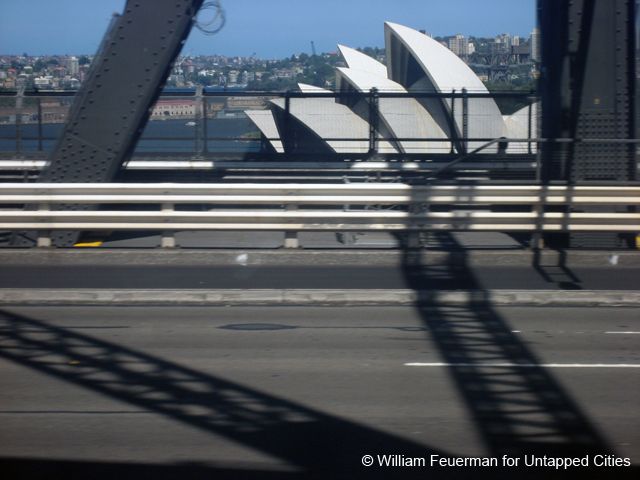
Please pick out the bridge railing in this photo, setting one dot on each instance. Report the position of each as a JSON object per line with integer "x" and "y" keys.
{"x": 215, "y": 124}
{"x": 316, "y": 207}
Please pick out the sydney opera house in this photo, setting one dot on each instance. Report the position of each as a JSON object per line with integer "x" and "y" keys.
{"x": 411, "y": 117}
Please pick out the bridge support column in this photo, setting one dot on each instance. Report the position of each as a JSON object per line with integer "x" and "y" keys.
{"x": 588, "y": 94}
{"x": 111, "y": 109}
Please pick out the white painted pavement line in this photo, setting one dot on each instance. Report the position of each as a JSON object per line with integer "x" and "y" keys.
{"x": 565, "y": 333}
{"x": 527, "y": 365}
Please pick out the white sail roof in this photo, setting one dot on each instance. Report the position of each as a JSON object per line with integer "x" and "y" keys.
{"x": 362, "y": 61}
{"x": 445, "y": 69}
{"x": 405, "y": 117}
{"x": 336, "y": 124}
{"x": 264, "y": 120}
{"x": 518, "y": 126}
{"x": 443, "y": 72}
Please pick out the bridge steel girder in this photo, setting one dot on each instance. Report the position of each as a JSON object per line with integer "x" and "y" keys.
{"x": 588, "y": 90}
{"x": 126, "y": 77}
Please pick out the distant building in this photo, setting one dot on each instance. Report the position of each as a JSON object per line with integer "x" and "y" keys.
{"x": 242, "y": 103}
{"x": 173, "y": 108}
{"x": 471, "y": 48}
{"x": 459, "y": 45}
{"x": 536, "y": 53}
{"x": 188, "y": 67}
{"x": 503, "y": 43}
{"x": 42, "y": 82}
{"x": 233, "y": 77}
{"x": 73, "y": 66}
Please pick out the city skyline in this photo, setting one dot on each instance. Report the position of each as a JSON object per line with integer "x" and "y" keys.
{"x": 273, "y": 29}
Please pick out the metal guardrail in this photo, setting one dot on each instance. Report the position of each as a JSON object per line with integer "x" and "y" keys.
{"x": 317, "y": 207}
{"x": 31, "y": 128}
{"x": 34, "y": 165}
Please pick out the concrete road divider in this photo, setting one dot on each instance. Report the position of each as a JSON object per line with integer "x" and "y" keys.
{"x": 318, "y": 297}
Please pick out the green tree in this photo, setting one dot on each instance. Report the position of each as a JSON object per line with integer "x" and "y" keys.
{"x": 39, "y": 65}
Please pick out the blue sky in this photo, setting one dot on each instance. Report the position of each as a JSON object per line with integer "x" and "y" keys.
{"x": 268, "y": 28}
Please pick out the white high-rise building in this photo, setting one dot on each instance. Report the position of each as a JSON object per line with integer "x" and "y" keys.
{"x": 536, "y": 53}
{"x": 73, "y": 66}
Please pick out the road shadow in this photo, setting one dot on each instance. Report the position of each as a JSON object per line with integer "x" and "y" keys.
{"x": 517, "y": 410}
{"x": 518, "y": 407}
{"x": 314, "y": 444}
{"x": 555, "y": 270}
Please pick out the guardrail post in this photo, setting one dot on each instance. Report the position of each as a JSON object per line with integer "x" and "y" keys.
{"x": 291, "y": 239}
{"x": 287, "y": 142}
{"x": 413, "y": 239}
{"x": 538, "y": 208}
{"x": 19, "y": 105}
{"x": 465, "y": 119}
{"x": 43, "y": 239}
{"x": 413, "y": 236}
{"x": 537, "y": 241}
{"x": 374, "y": 100}
{"x": 39, "y": 124}
{"x": 205, "y": 125}
{"x": 530, "y": 126}
{"x": 537, "y": 238}
{"x": 199, "y": 136}
{"x": 452, "y": 125}
{"x": 168, "y": 239}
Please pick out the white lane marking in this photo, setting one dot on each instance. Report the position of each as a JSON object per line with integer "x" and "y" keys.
{"x": 527, "y": 365}
{"x": 622, "y": 333}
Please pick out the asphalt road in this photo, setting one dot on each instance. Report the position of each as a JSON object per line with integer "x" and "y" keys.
{"x": 305, "y": 393}
{"x": 441, "y": 277}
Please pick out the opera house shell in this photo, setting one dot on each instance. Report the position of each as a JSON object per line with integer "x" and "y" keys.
{"x": 407, "y": 122}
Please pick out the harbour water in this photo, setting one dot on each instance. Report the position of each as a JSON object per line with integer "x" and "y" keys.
{"x": 224, "y": 135}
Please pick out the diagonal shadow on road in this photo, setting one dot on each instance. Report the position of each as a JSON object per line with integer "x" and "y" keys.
{"x": 518, "y": 407}
{"x": 312, "y": 442}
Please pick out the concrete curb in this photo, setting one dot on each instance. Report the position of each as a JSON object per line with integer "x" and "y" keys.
{"x": 343, "y": 298}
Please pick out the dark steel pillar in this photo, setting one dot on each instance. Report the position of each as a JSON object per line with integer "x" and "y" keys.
{"x": 128, "y": 73}
{"x": 111, "y": 109}
{"x": 587, "y": 86}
